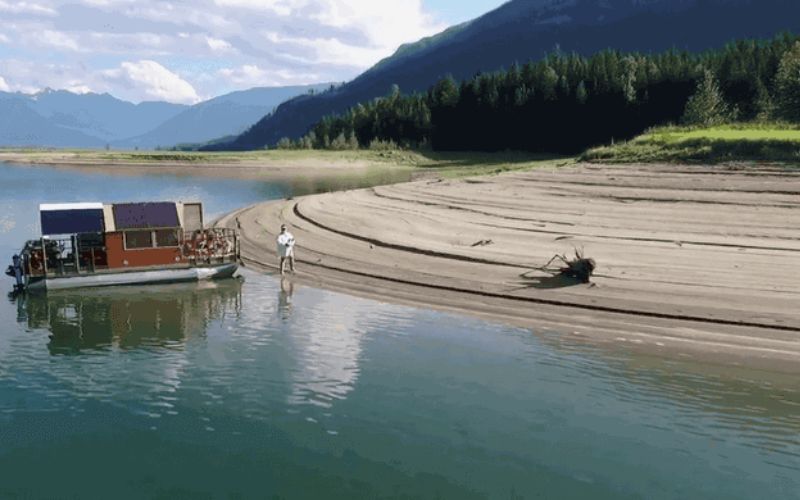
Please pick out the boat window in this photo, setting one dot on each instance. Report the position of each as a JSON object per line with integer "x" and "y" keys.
{"x": 138, "y": 239}
{"x": 166, "y": 238}
{"x": 91, "y": 240}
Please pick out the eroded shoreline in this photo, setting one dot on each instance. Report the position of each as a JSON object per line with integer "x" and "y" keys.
{"x": 693, "y": 261}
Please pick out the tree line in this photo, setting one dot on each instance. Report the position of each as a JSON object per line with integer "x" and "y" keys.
{"x": 567, "y": 102}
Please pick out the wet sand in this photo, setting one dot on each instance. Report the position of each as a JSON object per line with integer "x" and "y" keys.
{"x": 694, "y": 262}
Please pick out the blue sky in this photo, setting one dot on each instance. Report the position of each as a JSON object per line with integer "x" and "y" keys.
{"x": 456, "y": 11}
{"x": 190, "y": 50}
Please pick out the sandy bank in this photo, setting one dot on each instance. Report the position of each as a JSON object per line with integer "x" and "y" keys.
{"x": 698, "y": 261}
{"x": 243, "y": 166}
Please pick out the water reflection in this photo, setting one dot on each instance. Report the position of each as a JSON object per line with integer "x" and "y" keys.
{"x": 294, "y": 389}
{"x": 294, "y": 375}
{"x": 285, "y": 298}
{"x": 759, "y": 407}
{"x": 128, "y": 317}
{"x": 327, "y": 343}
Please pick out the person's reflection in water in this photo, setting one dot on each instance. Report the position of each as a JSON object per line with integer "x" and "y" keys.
{"x": 285, "y": 298}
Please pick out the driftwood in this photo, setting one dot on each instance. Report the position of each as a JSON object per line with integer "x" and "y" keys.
{"x": 482, "y": 243}
{"x": 580, "y": 267}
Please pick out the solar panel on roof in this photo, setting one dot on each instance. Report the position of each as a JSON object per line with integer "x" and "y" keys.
{"x": 59, "y": 220}
{"x": 145, "y": 215}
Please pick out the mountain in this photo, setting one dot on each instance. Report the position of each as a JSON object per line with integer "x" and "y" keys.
{"x": 523, "y": 30}
{"x": 21, "y": 125}
{"x": 58, "y": 118}
{"x": 100, "y": 115}
{"x": 229, "y": 114}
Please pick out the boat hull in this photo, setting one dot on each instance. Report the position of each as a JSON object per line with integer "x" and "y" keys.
{"x": 136, "y": 278}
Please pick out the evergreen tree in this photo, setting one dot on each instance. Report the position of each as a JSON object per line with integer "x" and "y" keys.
{"x": 310, "y": 140}
{"x": 352, "y": 141}
{"x": 764, "y": 105}
{"x": 629, "y": 79}
{"x": 548, "y": 80}
{"x": 446, "y": 92}
{"x": 567, "y": 102}
{"x": 339, "y": 143}
{"x": 788, "y": 85}
{"x": 581, "y": 95}
{"x": 707, "y": 106}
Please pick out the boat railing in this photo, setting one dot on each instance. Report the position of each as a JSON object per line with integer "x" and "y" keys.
{"x": 211, "y": 246}
{"x": 63, "y": 257}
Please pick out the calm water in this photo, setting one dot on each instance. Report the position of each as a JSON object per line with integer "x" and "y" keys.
{"x": 254, "y": 389}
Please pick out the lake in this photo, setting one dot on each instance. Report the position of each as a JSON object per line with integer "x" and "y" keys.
{"x": 256, "y": 388}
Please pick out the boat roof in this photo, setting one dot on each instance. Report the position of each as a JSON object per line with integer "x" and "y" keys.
{"x": 145, "y": 215}
{"x": 71, "y": 218}
{"x": 75, "y": 218}
{"x": 52, "y": 207}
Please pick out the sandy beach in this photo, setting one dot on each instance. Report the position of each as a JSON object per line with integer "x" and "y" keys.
{"x": 692, "y": 261}
{"x": 291, "y": 165}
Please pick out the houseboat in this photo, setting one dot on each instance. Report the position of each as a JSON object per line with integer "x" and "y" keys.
{"x": 95, "y": 244}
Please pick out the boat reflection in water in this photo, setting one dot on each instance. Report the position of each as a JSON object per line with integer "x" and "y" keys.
{"x": 129, "y": 317}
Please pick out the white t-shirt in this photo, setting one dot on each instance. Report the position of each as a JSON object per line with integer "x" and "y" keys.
{"x": 286, "y": 244}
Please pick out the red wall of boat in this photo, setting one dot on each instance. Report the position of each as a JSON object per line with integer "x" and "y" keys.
{"x": 117, "y": 255}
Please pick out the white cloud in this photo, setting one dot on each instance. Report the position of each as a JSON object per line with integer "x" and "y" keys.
{"x": 79, "y": 89}
{"x": 154, "y": 81}
{"x": 138, "y": 44}
{"x": 251, "y": 75}
{"x": 57, "y": 40}
{"x": 257, "y": 42}
{"x": 386, "y": 26}
{"x": 181, "y": 14}
{"x": 29, "y": 77}
{"x": 218, "y": 45}
{"x": 132, "y": 81}
{"x": 4, "y": 86}
{"x": 280, "y": 7}
{"x": 247, "y": 73}
{"x": 329, "y": 51}
{"x": 26, "y": 8}
{"x": 372, "y": 30}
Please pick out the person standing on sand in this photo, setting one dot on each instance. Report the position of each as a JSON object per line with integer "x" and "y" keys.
{"x": 286, "y": 249}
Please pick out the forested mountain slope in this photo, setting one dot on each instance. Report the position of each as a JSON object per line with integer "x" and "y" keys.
{"x": 525, "y": 30}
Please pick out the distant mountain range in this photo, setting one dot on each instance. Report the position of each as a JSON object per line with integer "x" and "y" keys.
{"x": 21, "y": 125}
{"x": 63, "y": 119}
{"x": 58, "y": 118}
{"x": 226, "y": 115}
{"x": 524, "y": 30}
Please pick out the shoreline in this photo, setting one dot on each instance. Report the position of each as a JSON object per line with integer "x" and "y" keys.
{"x": 672, "y": 244}
{"x": 244, "y": 168}
{"x": 287, "y": 165}
{"x": 718, "y": 286}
